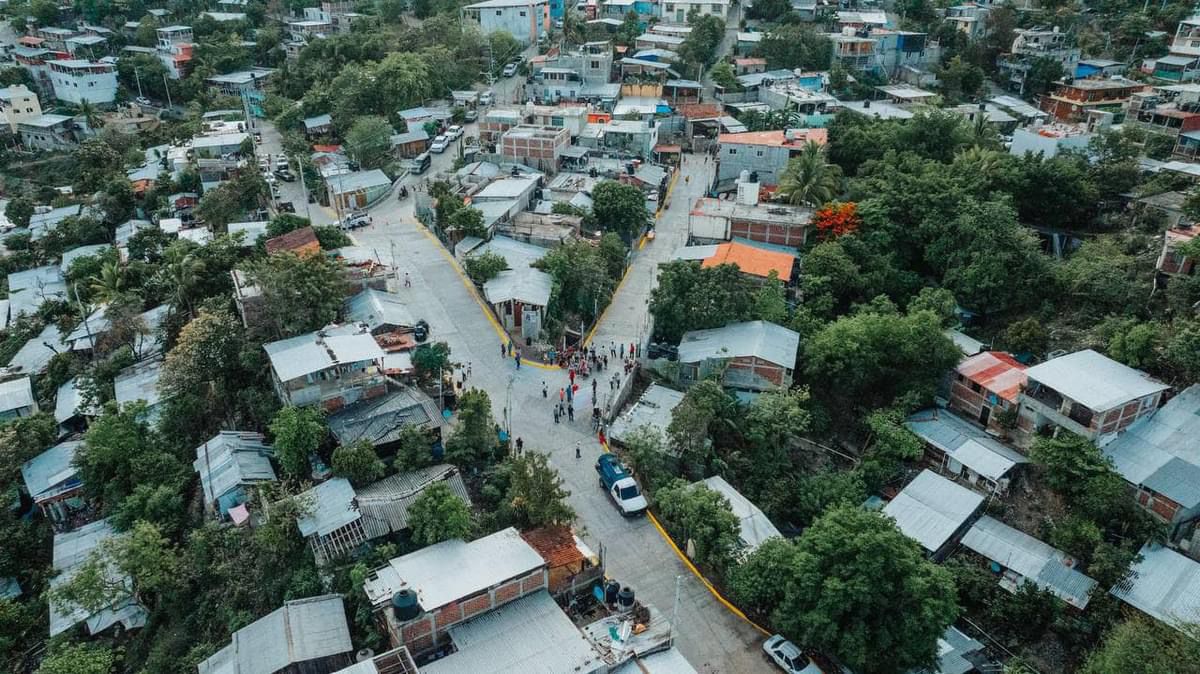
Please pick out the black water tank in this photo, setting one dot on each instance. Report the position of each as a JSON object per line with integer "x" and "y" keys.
{"x": 611, "y": 588}
{"x": 625, "y": 598}
{"x": 404, "y": 603}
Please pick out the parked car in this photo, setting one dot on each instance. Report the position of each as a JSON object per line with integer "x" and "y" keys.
{"x": 439, "y": 145}
{"x": 471, "y": 115}
{"x": 621, "y": 487}
{"x": 286, "y": 176}
{"x": 510, "y": 70}
{"x": 355, "y": 220}
{"x": 281, "y": 163}
{"x": 789, "y": 657}
{"x": 420, "y": 163}
{"x": 421, "y": 331}
{"x": 454, "y": 133}
{"x": 142, "y": 100}
{"x": 287, "y": 207}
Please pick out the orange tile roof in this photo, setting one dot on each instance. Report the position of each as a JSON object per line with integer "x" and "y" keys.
{"x": 778, "y": 138}
{"x": 701, "y": 111}
{"x": 296, "y": 241}
{"x": 556, "y": 545}
{"x": 753, "y": 260}
{"x": 995, "y": 371}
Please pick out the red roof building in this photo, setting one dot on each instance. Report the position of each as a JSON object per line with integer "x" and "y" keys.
{"x": 301, "y": 241}
{"x": 985, "y": 385}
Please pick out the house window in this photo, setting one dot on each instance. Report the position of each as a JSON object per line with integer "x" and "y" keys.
{"x": 595, "y": 64}
{"x": 732, "y": 151}
{"x": 975, "y": 386}
{"x": 522, "y": 13}
{"x": 498, "y": 13}
{"x": 759, "y": 153}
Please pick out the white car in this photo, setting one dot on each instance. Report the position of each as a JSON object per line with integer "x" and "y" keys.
{"x": 142, "y": 100}
{"x": 789, "y": 658}
{"x": 439, "y": 145}
{"x": 510, "y": 70}
{"x": 455, "y": 132}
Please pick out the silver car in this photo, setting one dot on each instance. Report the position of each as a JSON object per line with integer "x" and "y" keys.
{"x": 789, "y": 657}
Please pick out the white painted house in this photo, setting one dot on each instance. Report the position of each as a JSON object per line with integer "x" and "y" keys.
{"x": 76, "y": 81}
{"x": 677, "y": 11}
{"x": 526, "y": 20}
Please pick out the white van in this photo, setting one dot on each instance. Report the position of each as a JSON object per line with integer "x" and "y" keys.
{"x": 487, "y": 98}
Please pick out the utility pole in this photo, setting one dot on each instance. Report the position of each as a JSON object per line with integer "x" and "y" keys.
{"x": 83, "y": 312}
{"x": 138, "y": 79}
{"x": 675, "y": 608}
{"x": 303, "y": 188}
{"x": 168, "y": 89}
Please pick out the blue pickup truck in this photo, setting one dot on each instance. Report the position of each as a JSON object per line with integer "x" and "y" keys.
{"x": 621, "y": 487}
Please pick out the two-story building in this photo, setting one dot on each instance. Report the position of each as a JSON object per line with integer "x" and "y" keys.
{"x": 677, "y": 11}
{"x": 1171, "y": 261}
{"x": 985, "y": 386}
{"x": 53, "y": 482}
{"x": 525, "y": 20}
{"x": 539, "y": 147}
{"x": 175, "y": 46}
{"x": 1031, "y": 44}
{"x": 1085, "y": 393}
{"x": 1072, "y": 101}
{"x": 332, "y": 368}
{"x": 77, "y": 81}
{"x": 714, "y": 220}
{"x": 48, "y": 132}
{"x": 17, "y": 105}
{"x": 765, "y": 154}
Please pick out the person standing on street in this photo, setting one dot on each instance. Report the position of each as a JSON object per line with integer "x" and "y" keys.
{"x": 594, "y": 383}
{"x": 517, "y": 358}
{"x": 469, "y": 373}
{"x": 561, "y": 393}
{"x": 520, "y": 446}
{"x": 545, "y": 391}
{"x": 556, "y": 414}
{"x": 407, "y": 281}
{"x": 570, "y": 413}
{"x": 578, "y": 450}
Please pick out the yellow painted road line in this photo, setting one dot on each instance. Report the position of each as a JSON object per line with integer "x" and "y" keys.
{"x": 470, "y": 286}
{"x": 692, "y": 567}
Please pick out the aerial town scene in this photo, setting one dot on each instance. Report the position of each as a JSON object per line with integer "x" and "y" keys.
{"x": 599, "y": 337}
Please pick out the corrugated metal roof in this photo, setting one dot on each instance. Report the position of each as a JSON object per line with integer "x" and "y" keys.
{"x": 16, "y": 394}
{"x": 529, "y": 286}
{"x": 353, "y": 348}
{"x": 653, "y": 410}
{"x": 1094, "y": 380}
{"x": 380, "y": 419}
{"x": 773, "y": 343}
{"x": 953, "y": 645}
{"x": 756, "y": 528}
{"x": 300, "y": 630}
{"x": 231, "y": 459}
{"x": 477, "y": 565}
{"x": 37, "y": 352}
{"x": 71, "y": 549}
{"x": 389, "y": 499}
{"x": 80, "y": 252}
{"x": 1043, "y": 565}
{"x": 351, "y": 182}
{"x": 34, "y": 278}
{"x": 377, "y": 308}
{"x": 931, "y": 508}
{"x": 139, "y": 382}
{"x": 332, "y": 507}
{"x": 1162, "y": 452}
{"x": 46, "y": 472}
{"x": 1165, "y": 585}
{"x": 529, "y": 636}
{"x": 670, "y": 661}
{"x": 996, "y": 371}
{"x": 964, "y": 442}
{"x": 297, "y": 356}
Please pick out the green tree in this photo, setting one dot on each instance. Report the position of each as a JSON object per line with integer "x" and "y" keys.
{"x": 19, "y": 211}
{"x": 689, "y": 297}
{"x": 358, "y": 463}
{"x": 700, "y": 45}
{"x": 1182, "y": 351}
{"x": 862, "y": 590}
{"x": 705, "y": 408}
{"x": 469, "y": 221}
{"x": 937, "y": 300}
{"x": 206, "y": 354}
{"x": 1042, "y": 73}
{"x": 1071, "y": 462}
{"x": 759, "y": 581}
{"x": 620, "y": 208}
{"x": 430, "y": 360}
{"x": 800, "y": 500}
{"x": 770, "y": 301}
{"x": 582, "y": 283}
{"x": 696, "y": 513}
{"x": 474, "y": 437}
{"x": 120, "y": 451}
{"x": 1143, "y": 645}
{"x": 960, "y": 80}
{"x": 1026, "y": 336}
{"x": 647, "y": 456}
{"x": 230, "y": 200}
{"x": 414, "y": 449}
{"x": 796, "y": 46}
{"x": 869, "y": 360}
{"x": 298, "y": 432}
{"x": 300, "y": 293}
{"x": 535, "y": 492}
{"x": 808, "y": 180}
{"x": 147, "y": 566}
{"x": 437, "y": 515}
{"x": 724, "y": 76}
{"x": 369, "y": 141}
{"x": 78, "y": 658}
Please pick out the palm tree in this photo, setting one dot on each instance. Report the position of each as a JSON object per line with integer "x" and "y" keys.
{"x": 90, "y": 115}
{"x": 978, "y": 161}
{"x": 808, "y": 180}
{"x": 181, "y": 271}
{"x": 109, "y": 283}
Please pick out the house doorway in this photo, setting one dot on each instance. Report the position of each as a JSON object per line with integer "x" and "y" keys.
{"x": 984, "y": 415}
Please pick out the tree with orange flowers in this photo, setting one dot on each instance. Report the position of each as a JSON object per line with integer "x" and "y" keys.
{"x": 837, "y": 219}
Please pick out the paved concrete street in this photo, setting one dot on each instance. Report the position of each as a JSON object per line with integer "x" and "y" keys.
{"x": 711, "y": 637}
